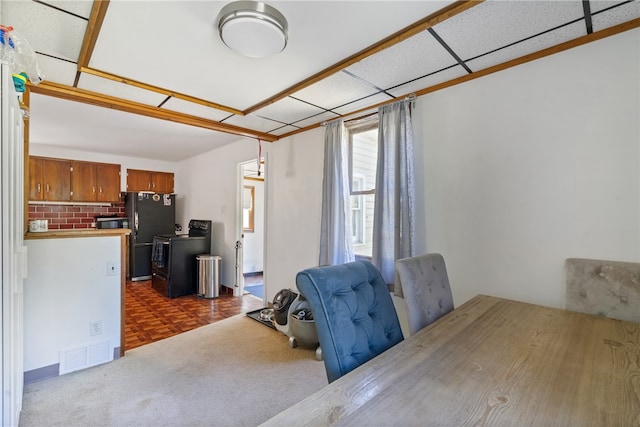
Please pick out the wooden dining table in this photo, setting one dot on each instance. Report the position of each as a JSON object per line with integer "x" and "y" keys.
{"x": 491, "y": 362}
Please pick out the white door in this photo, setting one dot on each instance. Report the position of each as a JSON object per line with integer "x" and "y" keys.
{"x": 251, "y": 221}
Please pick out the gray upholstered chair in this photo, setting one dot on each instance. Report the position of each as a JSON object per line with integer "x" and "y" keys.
{"x": 353, "y": 312}
{"x": 423, "y": 283}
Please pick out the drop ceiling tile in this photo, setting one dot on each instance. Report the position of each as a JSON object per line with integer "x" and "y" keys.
{"x": 119, "y": 90}
{"x": 187, "y": 107}
{"x": 362, "y": 103}
{"x": 56, "y": 70}
{"x": 81, "y": 8}
{"x": 253, "y": 122}
{"x": 334, "y": 91}
{"x": 535, "y": 44}
{"x": 495, "y": 24}
{"x": 415, "y": 57}
{"x": 618, "y": 15}
{"x": 428, "y": 81}
{"x": 47, "y": 30}
{"x": 288, "y": 110}
{"x": 316, "y": 119}
{"x": 284, "y": 129}
{"x": 598, "y": 5}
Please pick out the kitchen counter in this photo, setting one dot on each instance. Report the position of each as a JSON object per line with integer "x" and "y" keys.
{"x": 89, "y": 264}
{"x": 89, "y": 232}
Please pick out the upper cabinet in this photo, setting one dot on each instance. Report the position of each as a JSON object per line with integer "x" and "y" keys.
{"x": 95, "y": 182}
{"x": 142, "y": 180}
{"x": 49, "y": 179}
{"x": 73, "y": 181}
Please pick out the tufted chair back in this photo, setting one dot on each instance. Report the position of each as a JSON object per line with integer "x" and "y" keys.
{"x": 424, "y": 283}
{"x": 353, "y": 311}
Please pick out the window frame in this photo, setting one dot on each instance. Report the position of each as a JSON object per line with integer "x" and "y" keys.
{"x": 353, "y": 129}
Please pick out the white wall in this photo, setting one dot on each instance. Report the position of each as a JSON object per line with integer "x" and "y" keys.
{"x": 209, "y": 189}
{"x": 125, "y": 162}
{"x": 533, "y": 165}
{"x": 293, "y": 182}
{"x": 67, "y": 287}
{"x": 516, "y": 171}
{"x": 293, "y": 208}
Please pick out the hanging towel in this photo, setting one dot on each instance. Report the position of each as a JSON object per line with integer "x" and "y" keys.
{"x": 157, "y": 255}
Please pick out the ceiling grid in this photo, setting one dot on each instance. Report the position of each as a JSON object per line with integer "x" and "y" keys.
{"x": 462, "y": 42}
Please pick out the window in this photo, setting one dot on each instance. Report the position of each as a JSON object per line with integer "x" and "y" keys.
{"x": 363, "y": 158}
{"x": 357, "y": 212}
{"x": 248, "y": 201}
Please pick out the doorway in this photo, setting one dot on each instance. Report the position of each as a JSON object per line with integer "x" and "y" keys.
{"x": 250, "y": 262}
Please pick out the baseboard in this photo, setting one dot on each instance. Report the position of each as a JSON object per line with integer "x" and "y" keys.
{"x": 40, "y": 374}
{"x": 253, "y": 273}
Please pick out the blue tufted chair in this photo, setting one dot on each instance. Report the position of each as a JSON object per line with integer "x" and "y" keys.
{"x": 424, "y": 284}
{"x": 353, "y": 311}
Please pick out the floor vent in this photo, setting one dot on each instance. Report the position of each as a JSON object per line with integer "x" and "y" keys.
{"x": 92, "y": 354}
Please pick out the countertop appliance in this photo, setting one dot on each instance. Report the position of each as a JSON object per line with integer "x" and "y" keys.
{"x": 112, "y": 221}
{"x": 174, "y": 266}
{"x": 149, "y": 214}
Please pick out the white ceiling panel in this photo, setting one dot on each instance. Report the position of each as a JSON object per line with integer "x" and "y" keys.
{"x": 186, "y": 107}
{"x": 132, "y": 135}
{"x": 253, "y": 121}
{"x": 47, "y": 30}
{"x": 334, "y": 91}
{"x": 56, "y": 70}
{"x": 81, "y": 8}
{"x": 535, "y": 44}
{"x": 284, "y": 129}
{"x": 615, "y": 16}
{"x": 362, "y": 103}
{"x": 434, "y": 79}
{"x": 598, "y": 5}
{"x": 415, "y": 57}
{"x": 288, "y": 110}
{"x": 119, "y": 90}
{"x": 495, "y": 24}
{"x": 316, "y": 119}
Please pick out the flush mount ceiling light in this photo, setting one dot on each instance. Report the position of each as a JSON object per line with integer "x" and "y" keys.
{"x": 252, "y": 28}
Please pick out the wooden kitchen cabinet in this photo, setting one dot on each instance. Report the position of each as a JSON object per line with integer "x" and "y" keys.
{"x": 49, "y": 179}
{"x": 95, "y": 182}
{"x": 143, "y": 180}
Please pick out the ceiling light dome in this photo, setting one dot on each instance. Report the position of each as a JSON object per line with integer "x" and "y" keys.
{"x": 253, "y": 28}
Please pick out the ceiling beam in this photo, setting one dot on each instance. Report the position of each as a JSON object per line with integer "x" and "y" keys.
{"x": 413, "y": 29}
{"x": 98, "y": 12}
{"x": 93, "y": 98}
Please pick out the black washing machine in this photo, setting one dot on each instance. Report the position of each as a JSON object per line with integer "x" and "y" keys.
{"x": 173, "y": 261}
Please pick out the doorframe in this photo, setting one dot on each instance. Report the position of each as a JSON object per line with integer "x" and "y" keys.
{"x": 238, "y": 289}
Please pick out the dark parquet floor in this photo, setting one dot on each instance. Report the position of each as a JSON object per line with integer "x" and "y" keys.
{"x": 150, "y": 316}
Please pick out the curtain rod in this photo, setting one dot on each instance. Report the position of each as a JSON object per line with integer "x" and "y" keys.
{"x": 411, "y": 97}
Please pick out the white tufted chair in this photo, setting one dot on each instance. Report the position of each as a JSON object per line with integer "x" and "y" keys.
{"x": 424, "y": 284}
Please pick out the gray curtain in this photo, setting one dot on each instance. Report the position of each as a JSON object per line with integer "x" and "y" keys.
{"x": 394, "y": 219}
{"x": 336, "y": 245}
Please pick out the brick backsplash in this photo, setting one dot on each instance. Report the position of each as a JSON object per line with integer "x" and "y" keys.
{"x": 68, "y": 217}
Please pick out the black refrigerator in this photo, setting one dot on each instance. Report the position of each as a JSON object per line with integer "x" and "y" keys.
{"x": 149, "y": 214}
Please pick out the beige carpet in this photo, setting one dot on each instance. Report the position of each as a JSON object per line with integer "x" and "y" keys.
{"x": 235, "y": 372}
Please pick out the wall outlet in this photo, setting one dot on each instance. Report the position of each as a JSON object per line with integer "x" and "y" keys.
{"x": 95, "y": 328}
{"x": 112, "y": 268}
